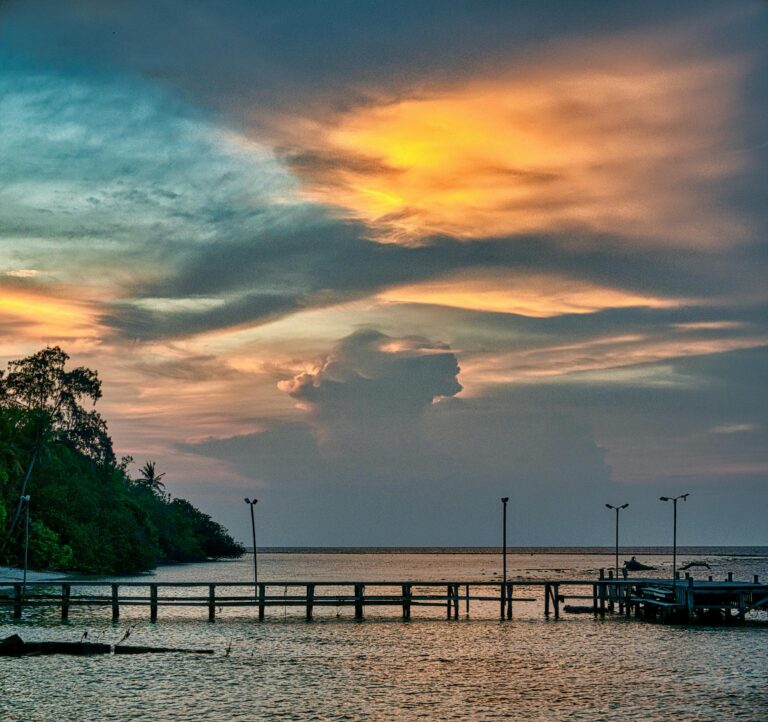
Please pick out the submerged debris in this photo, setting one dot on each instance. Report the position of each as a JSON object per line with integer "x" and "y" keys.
{"x": 15, "y": 646}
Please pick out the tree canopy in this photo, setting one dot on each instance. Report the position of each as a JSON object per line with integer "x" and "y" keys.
{"x": 87, "y": 513}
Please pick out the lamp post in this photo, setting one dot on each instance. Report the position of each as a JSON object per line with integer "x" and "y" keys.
{"x": 674, "y": 500}
{"x": 504, "y": 536}
{"x": 25, "y": 500}
{"x": 617, "y": 510}
{"x": 251, "y": 504}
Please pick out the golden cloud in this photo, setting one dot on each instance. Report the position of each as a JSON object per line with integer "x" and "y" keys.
{"x": 590, "y": 359}
{"x": 537, "y": 295}
{"x": 634, "y": 149}
{"x": 43, "y": 315}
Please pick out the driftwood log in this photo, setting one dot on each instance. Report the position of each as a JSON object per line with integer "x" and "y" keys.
{"x": 15, "y": 646}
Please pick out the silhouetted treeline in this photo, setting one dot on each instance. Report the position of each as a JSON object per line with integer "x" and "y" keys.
{"x": 86, "y": 513}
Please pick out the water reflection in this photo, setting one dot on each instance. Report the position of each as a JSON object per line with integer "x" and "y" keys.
{"x": 383, "y": 668}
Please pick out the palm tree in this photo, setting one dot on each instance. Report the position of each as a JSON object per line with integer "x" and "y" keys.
{"x": 149, "y": 478}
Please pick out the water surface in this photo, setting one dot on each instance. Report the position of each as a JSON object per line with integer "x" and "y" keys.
{"x": 335, "y": 668}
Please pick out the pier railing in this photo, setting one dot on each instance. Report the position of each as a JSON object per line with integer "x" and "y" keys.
{"x": 647, "y": 597}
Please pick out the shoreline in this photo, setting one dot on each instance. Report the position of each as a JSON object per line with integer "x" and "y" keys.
{"x": 718, "y": 551}
{"x": 13, "y": 575}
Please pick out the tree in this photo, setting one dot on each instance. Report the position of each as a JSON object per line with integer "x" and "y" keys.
{"x": 150, "y": 479}
{"x": 41, "y": 384}
{"x": 53, "y": 399}
{"x": 89, "y": 515}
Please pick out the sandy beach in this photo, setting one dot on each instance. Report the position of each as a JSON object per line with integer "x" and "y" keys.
{"x": 10, "y": 574}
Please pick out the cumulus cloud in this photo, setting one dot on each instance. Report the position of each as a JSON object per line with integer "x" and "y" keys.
{"x": 371, "y": 391}
{"x": 386, "y": 444}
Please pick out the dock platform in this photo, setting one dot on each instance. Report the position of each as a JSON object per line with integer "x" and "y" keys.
{"x": 679, "y": 601}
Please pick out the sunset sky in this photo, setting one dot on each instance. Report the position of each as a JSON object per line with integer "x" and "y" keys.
{"x": 379, "y": 264}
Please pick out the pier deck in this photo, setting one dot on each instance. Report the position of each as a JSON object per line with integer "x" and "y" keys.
{"x": 682, "y": 600}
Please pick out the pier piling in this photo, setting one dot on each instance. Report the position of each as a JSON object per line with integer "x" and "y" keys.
{"x": 153, "y": 602}
{"x": 115, "y": 603}
{"x": 65, "y": 592}
{"x": 310, "y": 600}
{"x": 211, "y": 602}
{"x": 406, "y": 601}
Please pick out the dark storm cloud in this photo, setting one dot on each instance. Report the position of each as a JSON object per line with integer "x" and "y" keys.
{"x": 142, "y": 323}
{"x": 542, "y": 444}
{"x": 321, "y": 262}
{"x": 285, "y": 53}
{"x": 372, "y": 389}
{"x": 382, "y": 455}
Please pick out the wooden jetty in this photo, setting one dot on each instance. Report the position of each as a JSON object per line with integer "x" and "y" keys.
{"x": 681, "y": 600}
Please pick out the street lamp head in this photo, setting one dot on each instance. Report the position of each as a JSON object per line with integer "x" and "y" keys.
{"x": 610, "y": 506}
{"x": 664, "y": 498}
{"x": 504, "y": 499}
{"x": 247, "y": 500}
{"x": 624, "y": 506}
{"x": 684, "y": 496}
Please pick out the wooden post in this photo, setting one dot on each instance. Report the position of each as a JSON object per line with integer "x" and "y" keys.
{"x": 689, "y": 599}
{"x": 710, "y": 577}
{"x": 677, "y": 575}
{"x": 153, "y": 602}
{"x": 730, "y": 576}
{"x": 466, "y": 590}
{"x": 406, "y": 601}
{"x": 18, "y": 594}
{"x": 742, "y": 606}
{"x": 115, "y": 603}
{"x": 556, "y": 600}
{"x": 262, "y": 594}
{"x": 310, "y": 600}
{"x": 449, "y": 600}
{"x": 627, "y": 602}
{"x": 594, "y": 599}
{"x": 211, "y": 602}
{"x": 546, "y": 600}
{"x": 359, "y": 592}
{"x": 455, "y": 601}
{"x": 510, "y": 590}
{"x": 602, "y": 599}
{"x": 502, "y": 600}
{"x": 756, "y": 579}
{"x": 65, "y": 592}
{"x": 610, "y": 591}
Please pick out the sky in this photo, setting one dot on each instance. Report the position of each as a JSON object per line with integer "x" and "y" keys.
{"x": 379, "y": 264}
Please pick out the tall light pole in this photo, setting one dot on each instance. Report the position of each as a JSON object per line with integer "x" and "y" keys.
{"x": 504, "y": 534}
{"x": 25, "y": 500}
{"x": 674, "y": 500}
{"x": 251, "y": 504}
{"x": 617, "y": 509}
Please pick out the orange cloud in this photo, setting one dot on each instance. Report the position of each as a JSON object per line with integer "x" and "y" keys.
{"x": 623, "y": 147}
{"x": 537, "y": 295}
{"x": 36, "y": 316}
{"x": 595, "y": 359}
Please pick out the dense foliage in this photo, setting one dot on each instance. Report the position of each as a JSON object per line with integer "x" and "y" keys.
{"x": 86, "y": 513}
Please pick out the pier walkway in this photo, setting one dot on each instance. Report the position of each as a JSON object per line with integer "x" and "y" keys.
{"x": 682, "y": 600}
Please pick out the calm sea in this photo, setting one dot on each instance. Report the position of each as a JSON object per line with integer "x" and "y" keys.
{"x": 476, "y": 668}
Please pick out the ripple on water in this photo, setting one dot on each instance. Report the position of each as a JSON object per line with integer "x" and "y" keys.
{"x": 577, "y": 668}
